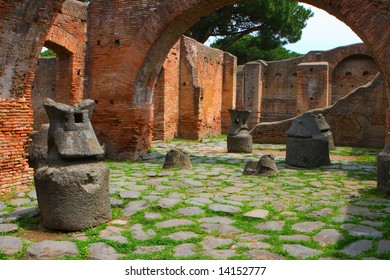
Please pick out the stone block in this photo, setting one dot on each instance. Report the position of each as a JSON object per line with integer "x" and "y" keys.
{"x": 73, "y": 197}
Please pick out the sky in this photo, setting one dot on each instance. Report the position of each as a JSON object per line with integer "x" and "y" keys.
{"x": 323, "y": 32}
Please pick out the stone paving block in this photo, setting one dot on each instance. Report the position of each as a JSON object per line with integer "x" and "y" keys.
{"x": 297, "y": 237}
{"x": 110, "y": 231}
{"x": 31, "y": 212}
{"x": 321, "y": 213}
{"x": 220, "y": 254}
{"x": 130, "y": 194}
{"x": 153, "y": 216}
{"x": 20, "y": 201}
{"x": 2, "y": 205}
{"x": 116, "y": 202}
{"x": 211, "y": 242}
{"x": 224, "y": 208}
{"x": 383, "y": 246}
{"x": 307, "y": 226}
{"x": 174, "y": 223}
{"x": 168, "y": 203}
{"x": 300, "y": 252}
{"x": 47, "y": 250}
{"x": 257, "y": 254}
{"x": 199, "y": 201}
{"x": 257, "y": 213}
{"x": 134, "y": 207}
{"x": 6, "y": 228}
{"x": 148, "y": 249}
{"x": 118, "y": 238}
{"x": 181, "y": 235}
{"x": 272, "y": 225}
{"x": 358, "y": 230}
{"x": 328, "y": 236}
{"x": 357, "y": 247}
{"x": 252, "y": 245}
{"x": 184, "y": 250}
{"x": 252, "y": 237}
{"x": 222, "y": 228}
{"x": 102, "y": 251}
{"x": 216, "y": 220}
{"x": 10, "y": 245}
{"x": 190, "y": 211}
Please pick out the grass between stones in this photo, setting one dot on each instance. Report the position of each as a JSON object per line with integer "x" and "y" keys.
{"x": 329, "y": 195}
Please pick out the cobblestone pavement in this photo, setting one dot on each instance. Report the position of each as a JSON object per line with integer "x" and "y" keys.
{"x": 212, "y": 211}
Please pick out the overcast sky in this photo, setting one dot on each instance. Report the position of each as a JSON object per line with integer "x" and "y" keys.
{"x": 323, "y": 32}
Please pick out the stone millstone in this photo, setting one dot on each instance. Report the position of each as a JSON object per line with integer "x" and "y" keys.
{"x": 383, "y": 165}
{"x": 177, "y": 159}
{"x": 265, "y": 167}
{"x": 307, "y": 152}
{"x": 73, "y": 197}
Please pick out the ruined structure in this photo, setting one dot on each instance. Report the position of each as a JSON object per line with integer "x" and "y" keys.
{"x": 72, "y": 187}
{"x": 278, "y": 90}
{"x": 358, "y": 119}
{"x": 265, "y": 167}
{"x": 127, "y": 45}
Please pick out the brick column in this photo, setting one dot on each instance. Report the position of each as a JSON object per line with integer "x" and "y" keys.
{"x": 312, "y": 87}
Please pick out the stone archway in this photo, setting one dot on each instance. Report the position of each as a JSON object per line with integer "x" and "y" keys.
{"x": 128, "y": 44}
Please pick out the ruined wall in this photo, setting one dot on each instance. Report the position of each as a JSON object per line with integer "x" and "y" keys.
{"x": 350, "y": 73}
{"x": 201, "y": 86}
{"x": 23, "y": 24}
{"x": 44, "y": 85}
{"x": 315, "y": 80}
{"x": 358, "y": 119}
{"x": 166, "y": 97}
{"x": 67, "y": 37}
{"x": 279, "y": 94}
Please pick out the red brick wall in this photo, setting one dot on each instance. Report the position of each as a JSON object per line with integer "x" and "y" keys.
{"x": 23, "y": 25}
{"x": 130, "y": 41}
{"x": 44, "y": 85}
{"x": 312, "y": 86}
{"x": 166, "y": 97}
{"x": 359, "y": 119}
{"x": 68, "y": 39}
{"x": 201, "y": 86}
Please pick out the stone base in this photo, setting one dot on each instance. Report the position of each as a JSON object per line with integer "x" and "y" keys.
{"x": 383, "y": 167}
{"x": 240, "y": 143}
{"x": 307, "y": 152}
{"x": 73, "y": 197}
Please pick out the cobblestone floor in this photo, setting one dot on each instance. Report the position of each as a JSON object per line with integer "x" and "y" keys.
{"x": 212, "y": 211}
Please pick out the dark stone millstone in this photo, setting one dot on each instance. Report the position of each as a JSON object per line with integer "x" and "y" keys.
{"x": 239, "y": 140}
{"x": 177, "y": 159}
{"x": 73, "y": 197}
{"x": 265, "y": 167}
{"x": 306, "y": 145}
{"x": 325, "y": 129}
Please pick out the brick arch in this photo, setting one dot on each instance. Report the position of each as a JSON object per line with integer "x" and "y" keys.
{"x": 67, "y": 38}
{"x": 353, "y": 71}
{"x": 366, "y": 18}
{"x": 128, "y": 43}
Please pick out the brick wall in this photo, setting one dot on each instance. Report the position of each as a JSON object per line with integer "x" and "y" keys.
{"x": 23, "y": 24}
{"x": 166, "y": 97}
{"x": 288, "y": 87}
{"x": 67, "y": 37}
{"x": 311, "y": 88}
{"x": 44, "y": 85}
{"x": 358, "y": 119}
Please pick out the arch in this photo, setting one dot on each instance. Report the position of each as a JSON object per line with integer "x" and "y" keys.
{"x": 176, "y": 18}
{"x": 352, "y": 72}
{"x": 128, "y": 43}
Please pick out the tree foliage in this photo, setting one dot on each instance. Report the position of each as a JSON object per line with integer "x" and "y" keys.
{"x": 267, "y": 24}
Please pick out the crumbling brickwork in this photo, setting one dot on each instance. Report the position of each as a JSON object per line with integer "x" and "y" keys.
{"x": 44, "y": 85}
{"x": 194, "y": 92}
{"x": 128, "y": 42}
{"x": 23, "y": 24}
{"x": 358, "y": 119}
{"x": 291, "y": 87}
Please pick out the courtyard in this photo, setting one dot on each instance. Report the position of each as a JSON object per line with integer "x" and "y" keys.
{"x": 213, "y": 211}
